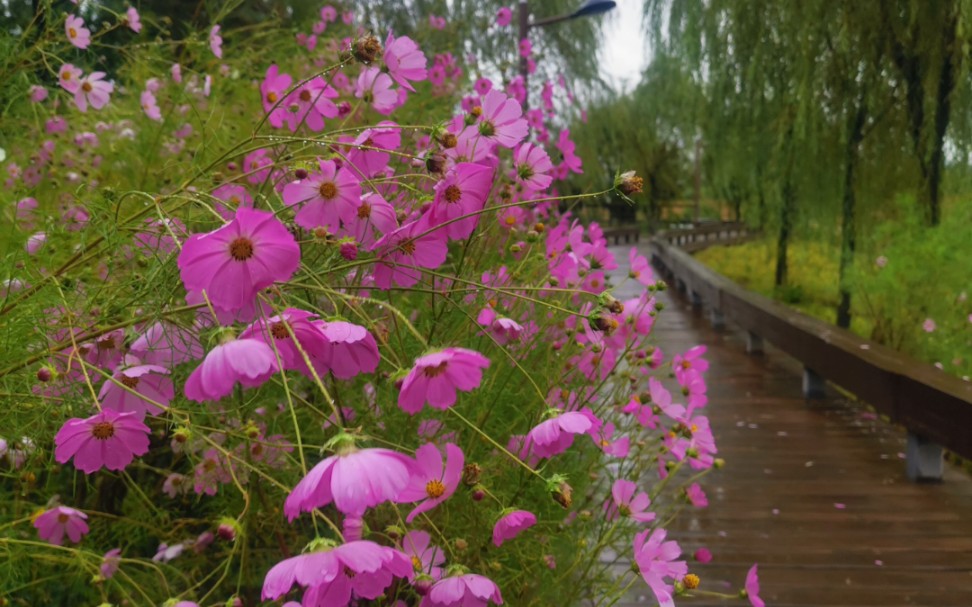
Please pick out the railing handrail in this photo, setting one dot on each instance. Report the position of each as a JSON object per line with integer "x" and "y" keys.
{"x": 934, "y": 406}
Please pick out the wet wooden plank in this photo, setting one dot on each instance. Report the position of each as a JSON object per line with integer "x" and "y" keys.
{"x": 789, "y": 463}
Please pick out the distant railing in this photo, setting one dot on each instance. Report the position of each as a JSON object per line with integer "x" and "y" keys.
{"x": 935, "y": 407}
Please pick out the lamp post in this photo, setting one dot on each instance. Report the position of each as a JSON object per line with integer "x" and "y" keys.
{"x": 587, "y": 9}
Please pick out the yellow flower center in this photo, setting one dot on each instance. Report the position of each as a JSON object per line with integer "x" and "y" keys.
{"x": 327, "y": 190}
{"x": 435, "y": 489}
{"x": 103, "y": 430}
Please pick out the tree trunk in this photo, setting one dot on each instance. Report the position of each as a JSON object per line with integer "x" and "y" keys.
{"x": 786, "y": 227}
{"x": 848, "y": 226}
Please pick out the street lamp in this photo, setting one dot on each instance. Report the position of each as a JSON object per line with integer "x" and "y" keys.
{"x": 587, "y": 9}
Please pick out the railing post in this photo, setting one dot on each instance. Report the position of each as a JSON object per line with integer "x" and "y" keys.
{"x": 696, "y": 300}
{"x": 754, "y": 343}
{"x": 924, "y": 461}
{"x": 717, "y": 318}
{"x": 814, "y": 385}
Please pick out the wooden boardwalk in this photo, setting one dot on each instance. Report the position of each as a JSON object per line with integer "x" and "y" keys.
{"x": 814, "y": 491}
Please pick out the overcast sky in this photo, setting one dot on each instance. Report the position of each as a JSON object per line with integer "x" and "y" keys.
{"x": 624, "y": 54}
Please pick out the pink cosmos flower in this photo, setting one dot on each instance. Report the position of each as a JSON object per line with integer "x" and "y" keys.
{"x": 308, "y": 105}
{"x": 325, "y": 198}
{"x": 462, "y": 192}
{"x": 752, "y": 588}
{"x": 691, "y": 360}
{"x": 272, "y": 90}
{"x": 696, "y": 495}
{"x": 656, "y": 561}
{"x": 107, "y": 439}
{"x": 503, "y": 330}
{"x": 626, "y": 503}
{"x": 234, "y": 196}
{"x": 94, "y": 91}
{"x": 532, "y": 164}
{"x": 176, "y": 71}
{"x": 504, "y": 16}
{"x": 436, "y": 377}
{"x": 307, "y": 332}
{"x": 167, "y": 345}
{"x": 375, "y": 87}
{"x": 426, "y": 557}
{"x": 703, "y": 555}
{"x": 640, "y": 268}
{"x": 77, "y": 33}
{"x": 431, "y": 481}
{"x": 526, "y": 47}
{"x": 36, "y": 241}
{"x": 60, "y": 520}
{"x": 151, "y": 383}
{"x": 354, "y": 479}
{"x": 511, "y": 525}
{"x": 373, "y": 213}
{"x": 401, "y": 253}
{"x": 248, "y": 361}
{"x": 469, "y": 590}
{"x": 37, "y": 93}
{"x": 572, "y": 161}
{"x": 110, "y": 562}
{"x": 556, "y": 435}
{"x": 234, "y": 262}
{"x": 216, "y": 42}
{"x": 150, "y": 106}
{"x": 353, "y": 349}
{"x": 69, "y": 77}
{"x": 404, "y": 60}
{"x": 928, "y": 326}
{"x": 501, "y": 120}
{"x": 332, "y": 574}
{"x": 132, "y": 19}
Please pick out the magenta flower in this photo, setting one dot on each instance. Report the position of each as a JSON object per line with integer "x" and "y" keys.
{"x": 233, "y": 196}
{"x": 401, "y": 253}
{"x": 353, "y": 349}
{"x": 354, "y": 479}
{"x": 426, "y": 557}
{"x": 93, "y": 91}
{"x": 696, "y": 495}
{"x": 77, "y": 33}
{"x": 436, "y": 377}
{"x": 375, "y": 87}
{"x": 69, "y": 77}
{"x": 501, "y": 120}
{"x": 640, "y": 268}
{"x": 216, "y": 42}
{"x": 532, "y": 164}
{"x": 309, "y": 334}
{"x": 462, "y": 192}
{"x": 628, "y": 504}
{"x": 504, "y": 16}
{"x": 110, "y": 562}
{"x": 404, "y": 60}
{"x": 431, "y": 482}
{"x": 272, "y": 90}
{"x": 151, "y": 383}
{"x": 247, "y": 361}
{"x": 105, "y": 440}
{"x": 556, "y": 435}
{"x": 37, "y": 93}
{"x": 656, "y": 561}
{"x": 332, "y": 574}
{"x": 234, "y": 262}
{"x": 469, "y": 590}
{"x": 150, "y": 106}
{"x": 309, "y": 105}
{"x": 511, "y": 525}
{"x": 60, "y": 520}
{"x": 928, "y": 326}
{"x": 325, "y": 198}
{"x": 752, "y": 588}
{"x": 132, "y": 20}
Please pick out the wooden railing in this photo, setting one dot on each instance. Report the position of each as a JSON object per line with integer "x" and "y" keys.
{"x": 935, "y": 407}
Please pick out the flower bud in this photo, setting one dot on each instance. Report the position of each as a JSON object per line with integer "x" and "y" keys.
{"x": 44, "y": 374}
{"x": 366, "y": 49}
{"x": 300, "y": 173}
{"x": 461, "y": 544}
{"x": 471, "y": 474}
{"x": 628, "y": 183}
{"x": 349, "y": 250}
